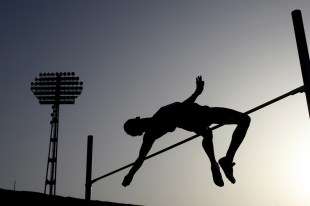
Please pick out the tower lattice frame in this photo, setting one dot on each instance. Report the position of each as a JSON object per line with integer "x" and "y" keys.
{"x": 55, "y": 89}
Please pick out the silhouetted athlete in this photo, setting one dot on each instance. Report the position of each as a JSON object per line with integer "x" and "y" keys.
{"x": 193, "y": 117}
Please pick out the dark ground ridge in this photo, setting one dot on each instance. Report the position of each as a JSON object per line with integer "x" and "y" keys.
{"x": 12, "y": 197}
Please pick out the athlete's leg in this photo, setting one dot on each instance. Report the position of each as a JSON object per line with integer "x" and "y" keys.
{"x": 228, "y": 116}
{"x": 207, "y": 144}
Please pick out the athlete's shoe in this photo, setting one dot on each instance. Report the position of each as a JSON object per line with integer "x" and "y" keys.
{"x": 217, "y": 176}
{"x": 228, "y": 169}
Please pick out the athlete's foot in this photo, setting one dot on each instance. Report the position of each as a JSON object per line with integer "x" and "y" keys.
{"x": 217, "y": 176}
{"x": 227, "y": 167}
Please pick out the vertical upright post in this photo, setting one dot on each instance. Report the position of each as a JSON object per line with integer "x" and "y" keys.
{"x": 302, "y": 52}
{"x": 89, "y": 160}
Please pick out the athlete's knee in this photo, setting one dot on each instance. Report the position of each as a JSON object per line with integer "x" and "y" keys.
{"x": 245, "y": 120}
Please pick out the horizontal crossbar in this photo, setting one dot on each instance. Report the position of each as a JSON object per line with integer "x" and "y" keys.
{"x": 294, "y": 91}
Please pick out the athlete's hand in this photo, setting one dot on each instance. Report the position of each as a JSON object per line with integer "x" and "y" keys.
{"x": 199, "y": 85}
{"x": 127, "y": 180}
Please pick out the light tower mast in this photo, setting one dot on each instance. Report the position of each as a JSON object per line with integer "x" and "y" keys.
{"x": 55, "y": 89}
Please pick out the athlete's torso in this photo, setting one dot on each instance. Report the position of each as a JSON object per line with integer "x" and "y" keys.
{"x": 188, "y": 116}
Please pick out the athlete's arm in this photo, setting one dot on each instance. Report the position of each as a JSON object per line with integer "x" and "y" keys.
{"x": 199, "y": 88}
{"x": 146, "y": 146}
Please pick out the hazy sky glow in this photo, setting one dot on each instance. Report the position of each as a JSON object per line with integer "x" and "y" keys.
{"x": 136, "y": 56}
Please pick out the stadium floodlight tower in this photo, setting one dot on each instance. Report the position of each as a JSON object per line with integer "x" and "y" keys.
{"x": 55, "y": 89}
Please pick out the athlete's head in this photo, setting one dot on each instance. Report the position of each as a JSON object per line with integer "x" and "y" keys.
{"x": 134, "y": 127}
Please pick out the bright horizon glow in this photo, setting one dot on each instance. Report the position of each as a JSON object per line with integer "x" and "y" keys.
{"x": 297, "y": 173}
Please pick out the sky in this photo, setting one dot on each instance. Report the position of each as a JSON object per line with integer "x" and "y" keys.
{"x": 135, "y": 57}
